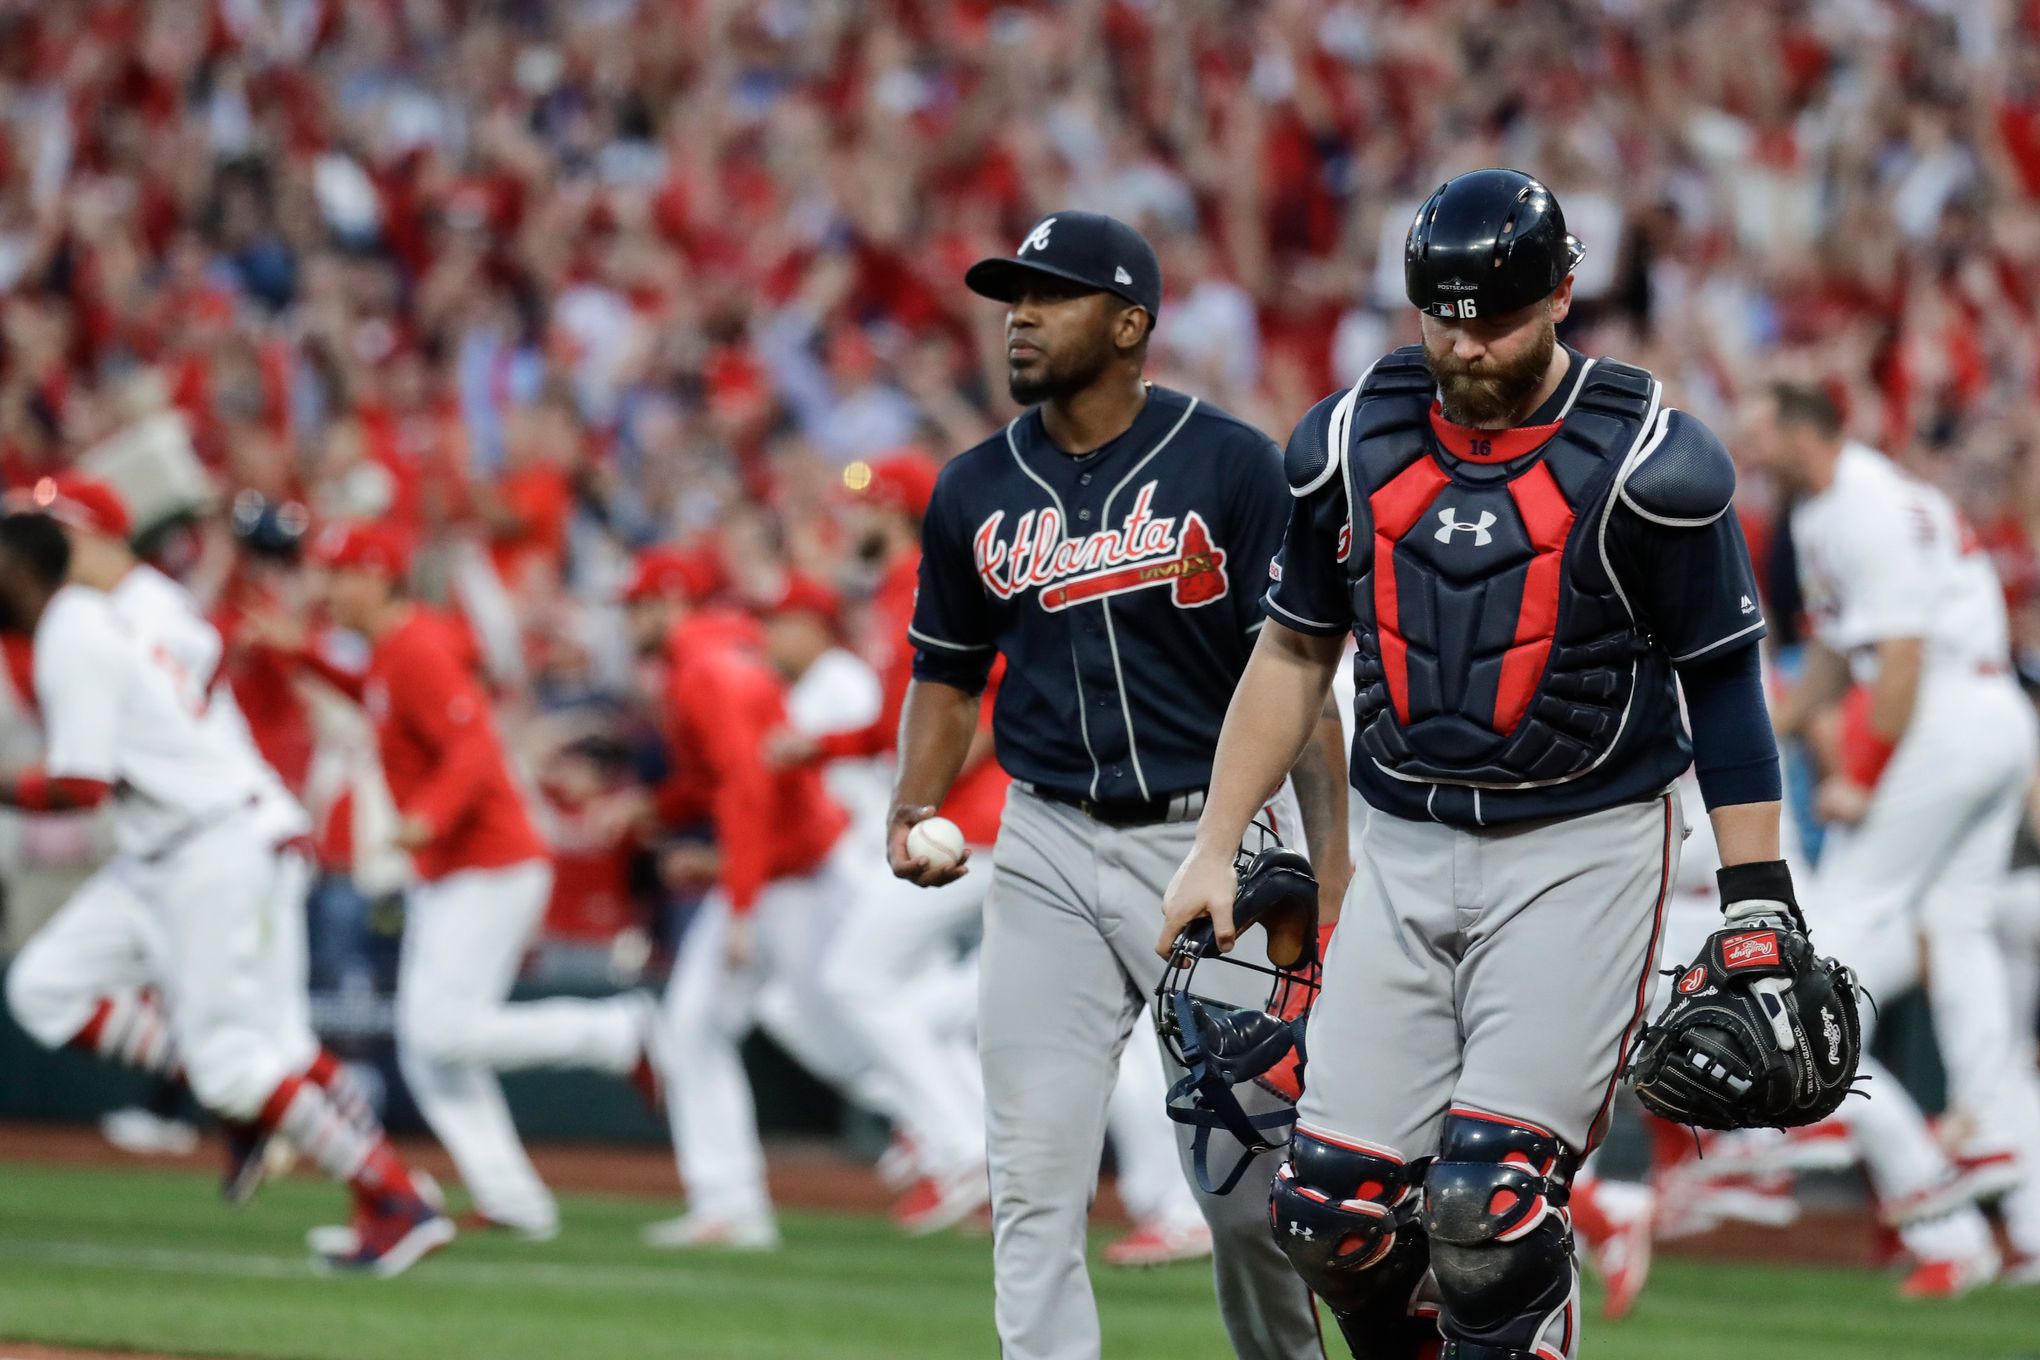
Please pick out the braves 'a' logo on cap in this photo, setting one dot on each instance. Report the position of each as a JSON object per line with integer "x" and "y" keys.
{"x": 1038, "y": 238}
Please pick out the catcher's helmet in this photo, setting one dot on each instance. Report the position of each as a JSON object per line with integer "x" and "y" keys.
{"x": 1221, "y": 1046}
{"x": 1486, "y": 243}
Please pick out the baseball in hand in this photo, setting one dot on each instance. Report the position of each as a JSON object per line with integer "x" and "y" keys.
{"x": 936, "y": 840}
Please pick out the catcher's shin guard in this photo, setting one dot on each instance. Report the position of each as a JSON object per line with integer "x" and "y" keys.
{"x": 1346, "y": 1218}
{"x": 1501, "y": 1241}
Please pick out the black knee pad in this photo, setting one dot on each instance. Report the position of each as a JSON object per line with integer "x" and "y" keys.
{"x": 1346, "y": 1218}
{"x": 1501, "y": 1241}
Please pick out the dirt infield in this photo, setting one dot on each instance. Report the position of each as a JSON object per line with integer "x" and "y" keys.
{"x": 810, "y": 1176}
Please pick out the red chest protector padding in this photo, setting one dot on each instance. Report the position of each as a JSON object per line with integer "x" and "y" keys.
{"x": 1494, "y": 648}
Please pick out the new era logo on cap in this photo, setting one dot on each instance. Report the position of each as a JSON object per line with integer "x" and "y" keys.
{"x": 1120, "y": 276}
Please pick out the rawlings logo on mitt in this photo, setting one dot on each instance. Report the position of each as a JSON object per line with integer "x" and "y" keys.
{"x": 1762, "y": 1032}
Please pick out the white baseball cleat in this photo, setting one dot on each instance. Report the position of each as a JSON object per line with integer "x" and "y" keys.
{"x": 691, "y": 1231}
{"x": 1160, "y": 1244}
{"x": 933, "y": 1203}
{"x": 137, "y": 1131}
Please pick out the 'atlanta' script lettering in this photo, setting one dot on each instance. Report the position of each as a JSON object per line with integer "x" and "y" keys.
{"x": 1037, "y": 553}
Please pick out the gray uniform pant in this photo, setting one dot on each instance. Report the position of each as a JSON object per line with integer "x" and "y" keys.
{"x": 1504, "y": 971}
{"x": 1067, "y": 970}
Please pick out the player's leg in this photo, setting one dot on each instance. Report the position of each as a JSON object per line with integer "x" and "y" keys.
{"x": 887, "y": 940}
{"x": 1054, "y": 1010}
{"x": 1168, "y": 1225}
{"x": 219, "y": 900}
{"x": 1558, "y": 972}
{"x": 1266, "y": 1313}
{"x": 84, "y": 979}
{"x": 461, "y": 948}
{"x": 707, "y": 1009}
{"x": 497, "y": 912}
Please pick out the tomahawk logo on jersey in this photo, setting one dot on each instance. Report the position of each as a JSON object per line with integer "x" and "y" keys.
{"x": 1145, "y": 550}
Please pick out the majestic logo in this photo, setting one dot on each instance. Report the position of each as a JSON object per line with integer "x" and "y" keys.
{"x": 1038, "y": 238}
{"x": 1144, "y": 550}
{"x": 1478, "y": 528}
{"x": 1833, "y": 1031}
{"x": 1121, "y": 277}
{"x": 1695, "y": 979}
{"x": 1756, "y": 950}
{"x": 1749, "y": 606}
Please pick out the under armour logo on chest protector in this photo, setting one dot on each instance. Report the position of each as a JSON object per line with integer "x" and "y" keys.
{"x": 1478, "y": 527}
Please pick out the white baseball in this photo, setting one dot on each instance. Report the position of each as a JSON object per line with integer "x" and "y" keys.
{"x": 937, "y": 840}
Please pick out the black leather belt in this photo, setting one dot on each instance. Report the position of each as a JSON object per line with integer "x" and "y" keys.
{"x": 1176, "y": 807}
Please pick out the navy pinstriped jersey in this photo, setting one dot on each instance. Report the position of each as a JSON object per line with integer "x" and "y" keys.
{"x": 1493, "y": 590}
{"x": 1123, "y": 587}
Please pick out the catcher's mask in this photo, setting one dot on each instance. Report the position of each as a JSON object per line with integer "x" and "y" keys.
{"x": 1220, "y": 1045}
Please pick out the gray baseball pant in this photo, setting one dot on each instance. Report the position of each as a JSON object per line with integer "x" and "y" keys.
{"x": 1503, "y": 970}
{"x": 1067, "y": 973}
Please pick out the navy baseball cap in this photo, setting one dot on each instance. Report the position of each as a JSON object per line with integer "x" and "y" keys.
{"x": 1089, "y": 248}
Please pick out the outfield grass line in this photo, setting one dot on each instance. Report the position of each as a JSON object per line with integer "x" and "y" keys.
{"x": 488, "y": 1274}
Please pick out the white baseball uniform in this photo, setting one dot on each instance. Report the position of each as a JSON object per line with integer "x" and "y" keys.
{"x": 200, "y": 883}
{"x": 1884, "y": 556}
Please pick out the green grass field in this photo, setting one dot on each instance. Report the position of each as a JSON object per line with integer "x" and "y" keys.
{"x": 148, "y": 1260}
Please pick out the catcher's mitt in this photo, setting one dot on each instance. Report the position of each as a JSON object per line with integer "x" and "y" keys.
{"x": 1762, "y": 1032}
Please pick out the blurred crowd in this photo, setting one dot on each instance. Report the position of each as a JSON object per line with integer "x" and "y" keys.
{"x": 544, "y": 284}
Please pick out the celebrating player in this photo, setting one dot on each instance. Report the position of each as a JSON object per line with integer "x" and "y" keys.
{"x": 483, "y": 880}
{"x": 1531, "y": 549}
{"x": 754, "y": 948}
{"x": 1939, "y": 751}
{"x": 207, "y": 844}
{"x": 1108, "y": 543}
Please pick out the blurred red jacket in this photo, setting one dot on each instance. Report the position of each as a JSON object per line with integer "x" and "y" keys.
{"x": 722, "y": 698}
{"x": 440, "y": 753}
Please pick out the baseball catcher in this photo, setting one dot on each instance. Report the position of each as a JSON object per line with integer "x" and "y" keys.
{"x": 1763, "y": 1031}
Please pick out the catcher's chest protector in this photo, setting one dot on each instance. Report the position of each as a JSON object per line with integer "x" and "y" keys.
{"x": 1495, "y": 648}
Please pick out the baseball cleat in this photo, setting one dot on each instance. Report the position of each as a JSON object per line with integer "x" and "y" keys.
{"x": 248, "y": 1163}
{"x": 144, "y": 1134}
{"x": 341, "y": 1239}
{"x": 933, "y": 1203}
{"x": 1949, "y": 1279}
{"x": 1621, "y": 1255}
{"x": 1160, "y": 1244}
{"x": 389, "y": 1238}
{"x": 691, "y": 1231}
